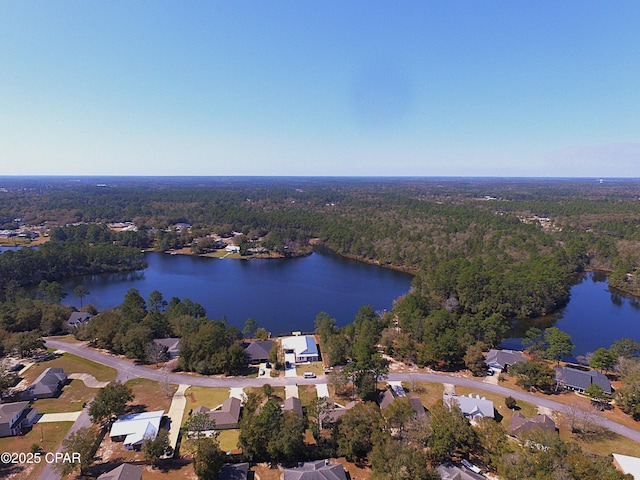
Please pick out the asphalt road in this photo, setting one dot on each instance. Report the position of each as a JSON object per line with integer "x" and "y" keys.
{"x": 127, "y": 370}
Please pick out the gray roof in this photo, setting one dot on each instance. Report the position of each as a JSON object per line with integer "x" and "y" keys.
{"x": 293, "y": 404}
{"x": 503, "y": 358}
{"x": 386, "y": 398}
{"x": 47, "y": 383}
{"x": 8, "y": 410}
{"x": 77, "y": 318}
{"x": 319, "y": 470}
{"x": 579, "y": 379}
{"x": 126, "y": 471}
{"x": 172, "y": 344}
{"x": 457, "y": 473}
{"x": 237, "y": 471}
{"x": 334, "y": 415}
{"x": 417, "y": 406}
{"x": 471, "y": 406}
{"x": 258, "y": 350}
{"x": 520, "y": 424}
{"x": 227, "y": 416}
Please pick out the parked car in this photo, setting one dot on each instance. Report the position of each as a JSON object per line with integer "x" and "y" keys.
{"x": 267, "y": 365}
{"x": 261, "y": 372}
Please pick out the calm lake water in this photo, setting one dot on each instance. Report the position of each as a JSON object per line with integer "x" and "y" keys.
{"x": 281, "y": 295}
{"x": 594, "y": 317}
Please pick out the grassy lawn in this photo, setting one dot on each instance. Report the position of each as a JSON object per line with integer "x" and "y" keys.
{"x": 149, "y": 395}
{"x": 307, "y": 393}
{"x": 70, "y": 400}
{"x": 66, "y": 338}
{"x": 209, "y": 397}
{"x": 278, "y": 392}
{"x": 429, "y": 393}
{"x": 526, "y": 409}
{"x": 229, "y": 439}
{"x": 72, "y": 364}
{"x": 314, "y": 367}
{"x": 52, "y": 435}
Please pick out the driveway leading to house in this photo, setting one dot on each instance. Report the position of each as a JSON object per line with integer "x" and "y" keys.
{"x": 322, "y": 390}
{"x": 59, "y": 417}
{"x": 175, "y": 413}
{"x": 89, "y": 380}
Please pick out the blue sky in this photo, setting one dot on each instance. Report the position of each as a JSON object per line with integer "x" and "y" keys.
{"x": 433, "y": 88}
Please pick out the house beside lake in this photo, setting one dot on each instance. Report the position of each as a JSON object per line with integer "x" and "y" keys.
{"x": 580, "y": 380}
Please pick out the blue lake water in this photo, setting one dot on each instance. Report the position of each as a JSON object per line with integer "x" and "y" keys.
{"x": 282, "y": 295}
{"x": 595, "y": 316}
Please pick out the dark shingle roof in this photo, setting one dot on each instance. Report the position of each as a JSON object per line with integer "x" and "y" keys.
{"x": 227, "y": 416}
{"x": 236, "y": 471}
{"x": 580, "y": 379}
{"x": 521, "y": 424}
{"x": 319, "y": 470}
{"x": 126, "y": 471}
{"x": 258, "y": 350}
{"x": 293, "y": 404}
{"x": 503, "y": 358}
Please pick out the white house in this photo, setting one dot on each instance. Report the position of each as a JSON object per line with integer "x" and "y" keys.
{"x": 134, "y": 429}
{"x": 474, "y": 408}
{"x": 303, "y": 348}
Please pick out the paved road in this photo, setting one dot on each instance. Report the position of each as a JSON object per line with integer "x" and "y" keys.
{"x": 127, "y": 371}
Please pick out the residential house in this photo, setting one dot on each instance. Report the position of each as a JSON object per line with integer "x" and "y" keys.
{"x": 521, "y": 424}
{"x": 234, "y": 471}
{"x": 77, "y": 319}
{"x": 392, "y": 393}
{"x": 293, "y": 404}
{"x": 172, "y": 345}
{"x": 135, "y": 428}
{"x": 503, "y": 359}
{"x": 579, "y": 380}
{"x": 258, "y": 350}
{"x": 47, "y": 385}
{"x": 126, "y": 471}
{"x": 452, "y": 472}
{"x": 335, "y": 412}
{"x": 319, "y": 470}
{"x": 16, "y": 416}
{"x": 300, "y": 349}
{"x": 627, "y": 464}
{"x": 226, "y": 416}
{"x": 474, "y": 408}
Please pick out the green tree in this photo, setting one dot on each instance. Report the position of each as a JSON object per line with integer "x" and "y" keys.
{"x": 153, "y": 449}
{"x": 533, "y": 375}
{"x": 84, "y": 442}
{"x": 626, "y": 348}
{"x": 559, "y": 344}
{"x": 452, "y": 433}
{"x": 156, "y": 302}
{"x": 110, "y": 402}
{"x": 474, "y": 360}
{"x": 250, "y": 327}
{"x": 391, "y": 460}
{"x": 209, "y": 460}
{"x": 357, "y": 431}
{"x": 603, "y": 359}
{"x": 80, "y": 291}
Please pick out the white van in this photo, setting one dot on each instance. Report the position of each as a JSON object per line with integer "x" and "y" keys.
{"x": 309, "y": 375}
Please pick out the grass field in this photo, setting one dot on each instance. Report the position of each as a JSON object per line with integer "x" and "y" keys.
{"x": 228, "y": 439}
{"x": 47, "y": 436}
{"x": 209, "y": 397}
{"x": 314, "y": 367}
{"x": 149, "y": 395}
{"x": 429, "y": 393}
{"x": 307, "y": 393}
{"x": 72, "y": 364}
{"x": 70, "y": 400}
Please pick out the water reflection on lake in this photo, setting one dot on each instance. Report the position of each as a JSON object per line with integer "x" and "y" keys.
{"x": 595, "y": 316}
{"x": 281, "y": 295}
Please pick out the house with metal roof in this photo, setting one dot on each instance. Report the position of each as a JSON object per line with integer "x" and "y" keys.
{"x": 300, "y": 348}
{"x": 579, "y": 380}
{"x": 16, "y": 416}
{"x": 319, "y": 470}
{"x": 472, "y": 407}
{"x": 47, "y": 385}
{"x": 135, "y": 428}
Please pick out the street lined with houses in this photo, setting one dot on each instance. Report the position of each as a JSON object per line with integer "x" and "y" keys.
{"x": 127, "y": 370}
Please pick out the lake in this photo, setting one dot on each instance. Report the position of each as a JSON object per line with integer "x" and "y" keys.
{"x": 594, "y": 317}
{"x": 282, "y": 295}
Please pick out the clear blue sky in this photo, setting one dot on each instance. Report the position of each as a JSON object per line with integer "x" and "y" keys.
{"x": 480, "y": 88}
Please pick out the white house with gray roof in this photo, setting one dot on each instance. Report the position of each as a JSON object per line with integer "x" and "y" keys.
{"x": 473, "y": 407}
{"x": 503, "y": 359}
{"x": 301, "y": 348}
